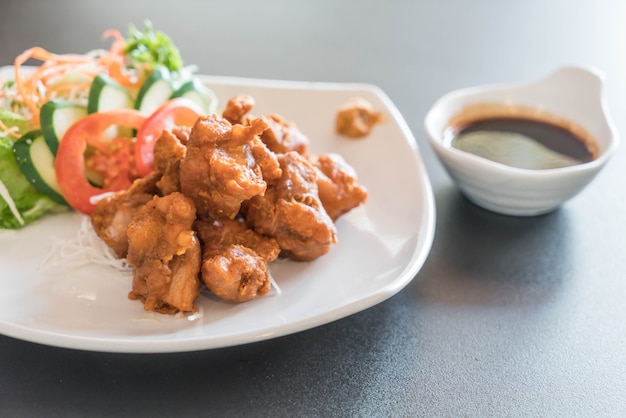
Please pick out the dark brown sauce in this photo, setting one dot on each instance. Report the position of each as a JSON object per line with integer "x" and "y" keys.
{"x": 554, "y": 137}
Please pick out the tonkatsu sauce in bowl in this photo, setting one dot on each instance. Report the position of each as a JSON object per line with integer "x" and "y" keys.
{"x": 524, "y": 149}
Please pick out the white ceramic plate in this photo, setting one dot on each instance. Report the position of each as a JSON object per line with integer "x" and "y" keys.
{"x": 382, "y": 246}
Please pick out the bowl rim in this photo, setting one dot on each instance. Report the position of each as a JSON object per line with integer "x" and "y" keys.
{"x": 436, "y": 138}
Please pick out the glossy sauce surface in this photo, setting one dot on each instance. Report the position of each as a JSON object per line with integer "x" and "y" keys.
{"x": 521, "y": 142}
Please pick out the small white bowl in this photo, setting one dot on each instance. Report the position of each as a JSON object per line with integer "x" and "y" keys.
{"x": 571, "y": 93}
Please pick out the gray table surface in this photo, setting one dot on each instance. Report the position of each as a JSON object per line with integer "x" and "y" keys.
{"x": 508, "y": 317}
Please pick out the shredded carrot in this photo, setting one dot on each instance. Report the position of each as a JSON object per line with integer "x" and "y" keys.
{"x": 29, "y": 88}
{"x": 35, "y": 87}
{"x": 117, "y": 48}
{"x": 8, "y": 130}
{"x": 114, "y": 60}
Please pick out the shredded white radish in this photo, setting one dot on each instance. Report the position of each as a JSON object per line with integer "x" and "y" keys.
{"x": 4, "y": 193}
{"x": 275, "y": 290}
{"x": 83, "y": 249}
{"x": 86, "y": 248}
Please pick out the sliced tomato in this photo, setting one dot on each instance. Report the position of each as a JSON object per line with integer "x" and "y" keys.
{"x": 175, "y": 112}
{"x": 110, "y": 157}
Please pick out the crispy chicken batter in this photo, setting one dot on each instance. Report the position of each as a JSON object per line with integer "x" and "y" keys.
{"x": 292, "y": 212}
{"x": 237, "y": 274}
{"x": 235, "y": 259}
{"x": 226, "y": 198}
{"x": 237, "y": 109}
{"x": 113, "y": 213}
{"x": 225, "y": 165}
{"x": 217, "y": 235}
{"x": 356, "y": 118}
{"x": 169, "y": 150}
{"x": 165, "y": 254}
{"x": 337, "y": 184}
{"x": 283, "y": 136}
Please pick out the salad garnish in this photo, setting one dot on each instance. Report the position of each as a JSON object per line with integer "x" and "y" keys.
{"x": 130, "y": 80}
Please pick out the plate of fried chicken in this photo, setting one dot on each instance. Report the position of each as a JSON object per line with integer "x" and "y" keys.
{"x": 259, "y": 221}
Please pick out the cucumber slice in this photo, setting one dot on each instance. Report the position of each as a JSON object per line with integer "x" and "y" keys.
{"x": 107, "y": 94}
{"x": 36, "y": 161}
{"x": 197, "y": 91}
{"x": 155, "y": 91}
{"x": 56, "y": 117}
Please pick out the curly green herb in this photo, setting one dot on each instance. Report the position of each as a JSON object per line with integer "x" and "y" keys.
{"x": 152, "y": 48}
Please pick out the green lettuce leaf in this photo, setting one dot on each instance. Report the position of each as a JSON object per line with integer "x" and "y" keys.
{"x": 20, "y": 202}
{"x": 15, "y": 121}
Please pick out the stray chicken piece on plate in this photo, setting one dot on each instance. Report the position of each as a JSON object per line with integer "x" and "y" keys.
{"x": 356, "y": 118}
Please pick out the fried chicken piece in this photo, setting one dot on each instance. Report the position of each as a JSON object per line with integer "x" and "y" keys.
{"x": 237, "y": 109}
{"x": 237, "y": 274}
{"x": 284, "y": 136}
{"x": 217, "y": 235}
{"x": 292, "y": 212}
{"x": 225, "y": 165}
{"x": 165, "y": 254}
{"x": 281, "y": 136}
{"x": 235, "y": 259}
{"x": 113, "y": 213}
{"x": 169, "y": 150}
{"x": 337, "y": 184}
{"x": 356, "y": 118}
